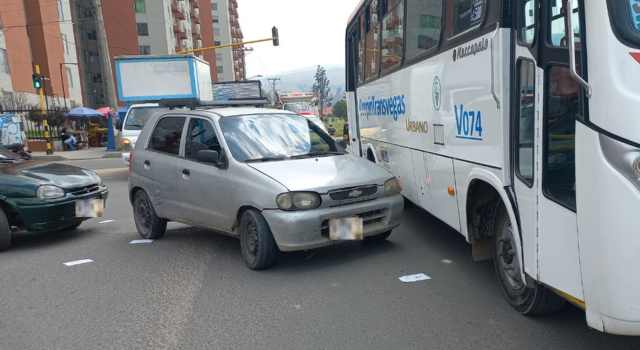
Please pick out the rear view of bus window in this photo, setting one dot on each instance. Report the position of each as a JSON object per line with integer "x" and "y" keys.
{"x": 467, "y": 14}
{"x": 424, "y": 24}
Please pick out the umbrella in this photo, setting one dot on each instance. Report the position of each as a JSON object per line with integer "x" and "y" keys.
{"x": 83, "y": 112}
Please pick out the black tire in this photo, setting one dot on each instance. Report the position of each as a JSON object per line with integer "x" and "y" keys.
{"x": 378, "y": 238}
{"x": 148, "y": 224}
{"x": 259, "y": 249}
{"x": 532, "y": 298}
{"x": 5, "y": 232}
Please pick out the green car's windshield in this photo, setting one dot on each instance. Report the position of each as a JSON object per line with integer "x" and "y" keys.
{"x": 272, "y": 137}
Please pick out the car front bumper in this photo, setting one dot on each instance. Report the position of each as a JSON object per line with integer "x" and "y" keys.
{"x": 304, "y": 230}
{"x": 41, "y": 215}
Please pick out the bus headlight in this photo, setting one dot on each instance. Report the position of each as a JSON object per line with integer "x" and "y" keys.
{"x": 392, "y": 187}
{"x": 298, "y": 201}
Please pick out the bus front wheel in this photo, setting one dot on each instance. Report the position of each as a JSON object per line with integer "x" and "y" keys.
{"x": 527, "y": 298}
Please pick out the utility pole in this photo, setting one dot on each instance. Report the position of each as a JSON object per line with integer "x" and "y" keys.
{"x": 105, "y": 56}
{"x": 274, "y": 81}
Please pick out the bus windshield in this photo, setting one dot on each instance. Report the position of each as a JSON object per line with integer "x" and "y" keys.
{"x": 626, "y": 19}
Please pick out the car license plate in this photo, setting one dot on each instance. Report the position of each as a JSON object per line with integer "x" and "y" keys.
{"x": 90, "y": 208}
{"x": 346, "y": 229}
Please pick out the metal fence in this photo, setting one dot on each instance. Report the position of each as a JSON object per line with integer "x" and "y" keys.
{"x": 33, "y": 122}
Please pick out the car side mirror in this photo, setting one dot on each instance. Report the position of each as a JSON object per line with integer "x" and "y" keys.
{"x": 209, "y": 156}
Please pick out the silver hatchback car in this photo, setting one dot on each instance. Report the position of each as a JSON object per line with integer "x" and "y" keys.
{"x": 272, "y": 178}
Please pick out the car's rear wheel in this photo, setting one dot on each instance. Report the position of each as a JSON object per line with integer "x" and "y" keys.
{"x": 378, "y": 238}
{"x": 5, "y": 231}
{"x": 529, "y": 298}
{"x": 259, "y": 249}
{"x": 148, "y": 224}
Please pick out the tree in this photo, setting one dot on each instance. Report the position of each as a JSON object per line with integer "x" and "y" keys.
{"x": 321, "y": 88}
{"x": 340, "y": 109}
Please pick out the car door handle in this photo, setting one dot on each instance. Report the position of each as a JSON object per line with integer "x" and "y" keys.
{"x": 186, "y": 172}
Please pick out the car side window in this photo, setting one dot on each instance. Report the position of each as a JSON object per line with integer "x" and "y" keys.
{"x": 167, "y": 135}
{"x": 201, "y": 136}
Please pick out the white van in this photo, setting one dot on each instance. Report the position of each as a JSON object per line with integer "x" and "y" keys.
{"x": 132, "y": 125}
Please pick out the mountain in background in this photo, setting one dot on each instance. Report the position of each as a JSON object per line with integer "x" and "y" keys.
{"x": 302, "y": 80}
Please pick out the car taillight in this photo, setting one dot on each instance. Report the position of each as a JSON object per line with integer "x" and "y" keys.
{"x": 130, "y": 162}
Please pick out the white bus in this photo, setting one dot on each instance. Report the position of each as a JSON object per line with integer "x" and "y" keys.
{"x": 517, "y": 124}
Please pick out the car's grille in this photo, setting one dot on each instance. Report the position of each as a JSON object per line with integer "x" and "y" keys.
{"x": 353, "y": 193}
{"x": 368, "y": 218}
{"x": 80, "y": 191}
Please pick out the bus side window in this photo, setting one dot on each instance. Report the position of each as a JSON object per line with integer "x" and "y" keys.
{"x": 464, "y": 15}
{"x": 424, "y": 25}
{"x": 392, "y": 34}
{"x": 372, "y": 42}
{"x": 527, "y": 21}
{"x": 525, "y": 124}
{"x": 558, "y": 36}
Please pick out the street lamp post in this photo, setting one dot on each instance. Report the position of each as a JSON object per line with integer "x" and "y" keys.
{"x": 64, "y": 94}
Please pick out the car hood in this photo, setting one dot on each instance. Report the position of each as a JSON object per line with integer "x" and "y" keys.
{"x": 323, "y": 174}
{"x": 61, "y": 175}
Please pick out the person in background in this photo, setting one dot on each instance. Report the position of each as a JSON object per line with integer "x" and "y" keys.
{"x": 69, "y": 140}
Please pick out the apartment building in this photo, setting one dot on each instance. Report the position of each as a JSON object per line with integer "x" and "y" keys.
{"x": 40, "y": 32}
{"x": 6, "y": 87}
{"x": 226, "y": 28}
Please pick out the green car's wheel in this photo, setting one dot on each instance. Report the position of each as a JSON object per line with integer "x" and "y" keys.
{"x": 5, "y": 231}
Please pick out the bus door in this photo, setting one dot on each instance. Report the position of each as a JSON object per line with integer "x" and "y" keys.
{"x": 544, "y": 171}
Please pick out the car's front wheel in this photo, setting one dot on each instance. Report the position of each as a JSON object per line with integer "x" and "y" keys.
{"x": 5, "y": 231}
{"x": 148, "y": 224}
{"x": 259, "y": 249}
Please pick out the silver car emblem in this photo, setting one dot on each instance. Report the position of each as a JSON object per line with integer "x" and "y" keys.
{"x": 355, "y": 194}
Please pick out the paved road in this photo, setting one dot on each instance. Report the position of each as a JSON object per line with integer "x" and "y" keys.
{"x": 191, "y": 290}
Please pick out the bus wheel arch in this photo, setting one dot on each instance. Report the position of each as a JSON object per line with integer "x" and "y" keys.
{"x": 485, "y": 197}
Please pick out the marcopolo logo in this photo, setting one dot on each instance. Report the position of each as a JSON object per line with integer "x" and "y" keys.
{"x": 393, "y": 107}
{"x": 471, "y": 49}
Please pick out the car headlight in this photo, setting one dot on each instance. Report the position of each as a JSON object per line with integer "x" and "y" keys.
{"x": 50, "y": 192}
{"x": 298, "y": 201}
{"x": 392, "y": 187}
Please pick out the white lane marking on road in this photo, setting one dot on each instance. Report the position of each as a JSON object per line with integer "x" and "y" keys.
{"x": 111, "y": 171}
{"x": 414, "y": 278}
{"x": 78, "y": 262}
{"x": 141, "y": 241}
{"x": 446, "y": 261}
{"x": 106, "y": 221}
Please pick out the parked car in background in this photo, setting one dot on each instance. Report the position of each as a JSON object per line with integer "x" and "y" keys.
{"x": 274, "y": 179}
{"x": 132, "y": 125}
{"x": 41, "y": 197}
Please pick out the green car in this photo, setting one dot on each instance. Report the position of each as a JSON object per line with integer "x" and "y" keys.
{"x": 40, "y": 197}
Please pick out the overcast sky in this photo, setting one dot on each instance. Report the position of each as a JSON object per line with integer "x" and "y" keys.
{"x": 311, "y": 32}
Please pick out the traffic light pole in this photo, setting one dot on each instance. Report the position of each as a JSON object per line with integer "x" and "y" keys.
{"x": 43, "y": 109}
{"x": 275, "y": 38}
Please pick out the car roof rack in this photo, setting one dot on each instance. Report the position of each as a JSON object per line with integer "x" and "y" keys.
{"x": 197, "y": 104}
{"x": 225, "y": 94}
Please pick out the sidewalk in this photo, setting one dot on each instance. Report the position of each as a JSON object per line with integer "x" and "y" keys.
{"x": 85, "y": 154}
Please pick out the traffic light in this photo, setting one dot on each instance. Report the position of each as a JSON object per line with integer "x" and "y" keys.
{"x": 37, "y": 81}
{"x": 275, "y": 36}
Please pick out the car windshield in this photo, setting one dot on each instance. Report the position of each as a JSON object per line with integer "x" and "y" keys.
{"x": 271, "y": 137}
{"x": 138, "y": 117}
{"x": 300, "y": 107}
